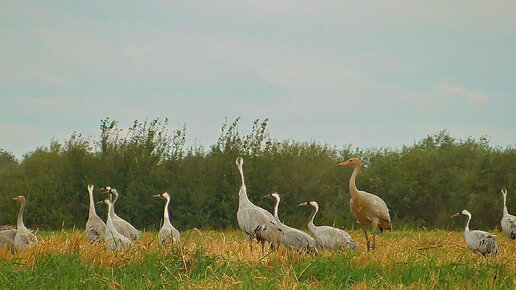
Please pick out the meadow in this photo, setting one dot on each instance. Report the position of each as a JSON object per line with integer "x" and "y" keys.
{"x": 222, "y": 259}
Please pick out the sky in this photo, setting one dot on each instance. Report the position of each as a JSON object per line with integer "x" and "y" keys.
{"x": 365, "y": 73}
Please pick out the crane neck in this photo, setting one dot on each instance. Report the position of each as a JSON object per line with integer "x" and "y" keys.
{"x": 242, "y": 195}
{"x": 92, "y": 211}
{"x": 352, "y": 184}
{"x": 165, "y": 212}
{"x": 466, "y": 228}
{"x": 505, "y": 211}
{"x": 311, "y": 225}
{"x": 276, "y": 206}
{"x": 20, "y": 224}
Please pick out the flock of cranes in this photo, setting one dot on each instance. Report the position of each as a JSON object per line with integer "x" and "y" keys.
{"x": 258, "y": 223}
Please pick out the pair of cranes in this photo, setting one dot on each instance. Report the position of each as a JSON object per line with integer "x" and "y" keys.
{"x": 21, "y": 238}
{"x": 118, "y": 233}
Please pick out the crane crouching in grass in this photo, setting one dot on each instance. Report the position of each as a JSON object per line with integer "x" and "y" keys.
{"x": 508, "y": 220}
{"x": 254, "y": 221}
{"x": 367, "y": 208}
{"x": 114, "y": 239}
{"x": 327, "y": 237}
{"x": 478, "y": 241}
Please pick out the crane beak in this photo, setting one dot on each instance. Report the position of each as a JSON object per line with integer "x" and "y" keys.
{"x": 345, "y": 163}
{"x": 157, "y": 196}
{"x": 302, "y": 204}
{"x": 455, "y": 215}
{"x": 267, "y": 195}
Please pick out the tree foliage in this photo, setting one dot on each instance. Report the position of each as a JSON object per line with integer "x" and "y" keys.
{"x": 423, "y": 183}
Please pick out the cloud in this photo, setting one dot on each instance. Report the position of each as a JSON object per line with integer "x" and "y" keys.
{"x": 447, "y": 89}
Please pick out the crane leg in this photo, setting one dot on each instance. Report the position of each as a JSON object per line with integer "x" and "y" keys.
{"x": 375, "y": 225}
{"x": 250, "y": 240}
{"x": 263, "y": 246}
{"x": 367, "y": 239}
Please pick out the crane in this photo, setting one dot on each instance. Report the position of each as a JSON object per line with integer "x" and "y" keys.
{"x": 326, "y": 236}
{"x": 114, "y": 239}
{"x": 508, "y": 220}
{"x": 121, "y": 225}
{"x": 167, "y": 233}
{"x": 95, "y": 227}
{"x": 478, "y": 241}
{"x": 367, "y": 208}
{"x": 292, "y": 237}
{"x": 24, "y": 237}
{"x": 254, "y": 221}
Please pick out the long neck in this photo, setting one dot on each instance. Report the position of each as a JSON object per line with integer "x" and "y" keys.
{"x": 111, "y": 209}
{"x": 276, "y": 206}
{"x": 312, "y": 217}
{"x": 466, "y": 228}
{"x": 242, "y": 193}
{"x": 352, "y": 185}
{"x": 92, "y": 204}
{"x": 109, "y": 219}
{"x": 505, "y": 211}
{"x": 20, "y": 224}
{"x": 165, "y": 213}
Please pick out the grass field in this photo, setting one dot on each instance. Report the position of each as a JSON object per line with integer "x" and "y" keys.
{"x": 403, "y": 259}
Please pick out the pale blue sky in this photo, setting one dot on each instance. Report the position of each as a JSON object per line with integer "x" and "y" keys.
{"x": 355, "y": 72}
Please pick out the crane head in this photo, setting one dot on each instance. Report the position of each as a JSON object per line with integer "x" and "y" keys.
{"x": 504, "y": 192}
{"x": 239, "y": 161}
{"x": 273, "y": 195}
{"x": 21, "y": 199}
{"x": 90, "y": 187}
{"x": 353, "y": 162}
{"x": 163, "y": 195}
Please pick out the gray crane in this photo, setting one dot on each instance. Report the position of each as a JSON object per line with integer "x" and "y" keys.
{"x": 121, "y": 225}
{"x": 508, "y": 220}
{"x": 114, "y": 239}
{"x": 327, "y": 237}
{"x": 254, "y": 221}
{"x": 292, "y": 238}
{"x": 24, "y": 237}
{"x": 367, "y": 208}
{"x": 95, "y": 227}
{"x": 7, "y": 235}
{"x": 167, "y": 234}
{"x": 478, "y": 241}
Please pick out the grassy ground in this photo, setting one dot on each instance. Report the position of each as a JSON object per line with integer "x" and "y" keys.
{"x": 403, "y": 259}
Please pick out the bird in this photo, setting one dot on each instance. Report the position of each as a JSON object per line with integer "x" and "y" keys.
{"x": 95, "y": 227}
{"x": 7, "y": 235}
{"x": 114, "y": 239}
{"x": 479, "y": 241}
{"x": 508, "y": 220}
{"x": 121, "y": 225}
{"x": 292, "y": 237}
{"x": 167, "y": 233}
{"x": 367, "y": 208}
{"x": 327, "y": 237}
{"x": 254, "y": 221}
{"x": 24, "y": 237}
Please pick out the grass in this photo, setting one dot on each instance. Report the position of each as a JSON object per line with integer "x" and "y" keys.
{"x": 211, "y": 259}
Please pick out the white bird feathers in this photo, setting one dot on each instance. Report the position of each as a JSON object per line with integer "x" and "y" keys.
{"x": 508, "y": 220}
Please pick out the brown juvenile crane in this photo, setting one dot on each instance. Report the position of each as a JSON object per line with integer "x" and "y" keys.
{"x": 367, "y": 208}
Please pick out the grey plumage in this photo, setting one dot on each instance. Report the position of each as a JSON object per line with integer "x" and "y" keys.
{"x": 508, "y": 221}
{"x": 292, "y": 237}
{"x": 95, "y": 227}
{"x": 7, "y": 235}
{"x": 24, "y": 237}
{"x": 167, "y": 234}
{"x": 327, "y": 237}
{"x": 479, "y": 241}
{"x": 254, "y": 221}
{"x": 121, "y": 225}
{"x": 114, "y": 239}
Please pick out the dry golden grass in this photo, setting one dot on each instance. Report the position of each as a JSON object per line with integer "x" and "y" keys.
{"x": 393, "y": 249}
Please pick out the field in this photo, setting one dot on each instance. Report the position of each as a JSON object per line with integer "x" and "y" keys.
{"x": 211, "y": 259}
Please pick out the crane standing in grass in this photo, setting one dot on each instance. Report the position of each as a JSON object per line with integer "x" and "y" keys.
{"x": 114, "y": 239}
{"x": 292, "y": 237}
{"x": 24, "y": 237}
{"x": 478, "y": 241}
{"x": 367, "y": 208}
{"x": 508, "y": 220}
{"x": 121, "y": 225}
{"x": 255, "y": 221}
{"x": 326, "y": 236}
{"x": 167, "y": 234}
{"x": 95, "y": 227}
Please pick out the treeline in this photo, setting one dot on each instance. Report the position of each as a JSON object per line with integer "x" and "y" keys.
{"x": 423, "y": 184}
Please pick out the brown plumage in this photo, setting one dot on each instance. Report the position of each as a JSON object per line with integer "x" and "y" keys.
{"x": 367, "y": 208}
